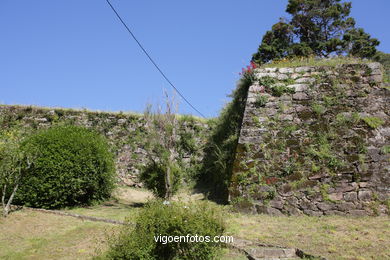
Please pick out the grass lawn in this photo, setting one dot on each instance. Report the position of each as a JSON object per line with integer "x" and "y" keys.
{"x": 34, "y": 235}
{"x": 27, "y": 234}
{"x": 333, "y": 237}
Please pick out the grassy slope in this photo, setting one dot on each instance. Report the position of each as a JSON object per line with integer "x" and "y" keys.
{"x": 334, "y": 237}
{"x": 34, "y": 235}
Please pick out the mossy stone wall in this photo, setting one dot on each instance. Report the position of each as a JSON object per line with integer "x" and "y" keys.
{"x": 126, "y": 133}
{"x": 315, "y": 140}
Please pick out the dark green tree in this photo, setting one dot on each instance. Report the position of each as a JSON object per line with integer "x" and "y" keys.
{"x": 317, "y": 27}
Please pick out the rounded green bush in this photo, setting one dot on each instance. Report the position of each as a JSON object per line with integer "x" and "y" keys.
{"x": 71, "y": 166}
{"x": 175, "y": 219}
{"x": 153, "y": 176}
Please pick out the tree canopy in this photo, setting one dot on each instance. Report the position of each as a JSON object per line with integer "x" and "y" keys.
{"x": 317, "y": 27}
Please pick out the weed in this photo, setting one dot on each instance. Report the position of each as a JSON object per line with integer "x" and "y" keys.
{"x": 373, "y": 122}
{"x": 261, "y": 100}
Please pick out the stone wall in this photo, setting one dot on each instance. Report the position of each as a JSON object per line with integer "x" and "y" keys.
{"x": 315, "y": 140}
{"x": 125, "y": 132}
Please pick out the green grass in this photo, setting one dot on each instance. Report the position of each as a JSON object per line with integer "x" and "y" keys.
{"x": 333, "y": 237}
{"x": 373, "y": 122}
{"x": 300, "y": 62}
{"x": 27, "y": 234}
{"x": 34, "y": 235}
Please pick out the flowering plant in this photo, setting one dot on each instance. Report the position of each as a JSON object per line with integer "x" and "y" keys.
{"x": 249, "y": 69}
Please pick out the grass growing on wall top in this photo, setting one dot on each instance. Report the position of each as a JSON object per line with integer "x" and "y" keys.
{"x": 312, "y": 61}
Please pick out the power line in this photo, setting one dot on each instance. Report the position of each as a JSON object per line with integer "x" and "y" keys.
{"x": 151, "y": 60}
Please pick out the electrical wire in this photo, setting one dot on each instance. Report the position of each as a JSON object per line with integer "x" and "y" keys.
{"x": 151, "y": 60}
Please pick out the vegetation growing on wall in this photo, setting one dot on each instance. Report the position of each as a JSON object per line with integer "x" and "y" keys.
{"x": 221, "y": 146}
{"x": 306, "y": 142}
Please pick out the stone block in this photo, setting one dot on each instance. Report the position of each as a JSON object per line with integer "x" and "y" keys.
{"x": 295, "y": 75}
{"x": 298, "y": 87}
{"x": 282, "y": 77}
{"x": 302, "y": 69}
{"x": 376, "y": 78}
{"x": 260, "y": 209}
{"x": 286, "y": 70}
{"x": 325, "y": 206}
{"x": 358, "y": 212}
{"x": 365, "y": 195}
{"x": 270, "y": 69}
{"x": 336, "y": 196}
{"x": 335, "y": 212}
{"x": 313, "y": 213}
{"x": 374, "y": 65}
{"x": 346, "y": 206}
{"x": 307, "y": 205}
{"x": 278, "y": 204}
{"x": 300, "y": 96}
{"x": 345, "y": 187}
{"x": 305, "y": 80}
{"x": 350, "y": 196}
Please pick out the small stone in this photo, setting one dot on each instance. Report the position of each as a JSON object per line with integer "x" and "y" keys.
{"x": 276, "y": 204}
{"x": 121, "y": 121}
{"x": 302, "y": 69}
{"x": 286, "y": 117}
{"x": 346, "y": 206}
{"x": 358, "y": 212}
{"x": 41, "y": 120}
{"x": 286, "y": 70}
{"x": 268, "y": 210}
{"x": 364, "y": 195}
{"x": 374, "y": 65}
{"x": 345, "y": 187}
{"x": 305, "y": 80}
{"x": 270, "y": 69}
{"x": 293, "y": 211}
{"x": 336, "y": 196}
{"x": 300, "y": 96}
{"x": 298, "y": 87}
{"x": 350, "y": 196}
{"x": 256, "y": 89}
{"x": 335, "y": 212}
{"x": 262, "y": 75}
{"x": 324, "y": 206}
{"x": 313, "y": 213}
{"x": 293, "y": 201}
{"x": 282, "y": 77}
{"x": 376, "y": 78}
{"x": 295, "y": 75}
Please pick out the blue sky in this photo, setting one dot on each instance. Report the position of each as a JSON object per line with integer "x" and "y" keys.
{"x": 76, "y": 54}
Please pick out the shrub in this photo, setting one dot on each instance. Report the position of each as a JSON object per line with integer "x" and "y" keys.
{"x": 153, "y": 176}
{"x": 176, "y": 219}
{"x": 162, "y": 171}
{"x": 72, "y": 166}
{"x": 13, "y": 163}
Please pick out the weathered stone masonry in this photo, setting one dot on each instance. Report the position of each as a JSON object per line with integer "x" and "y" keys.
{"x": 322, "y": 148}
{"x": 126, "y": 132}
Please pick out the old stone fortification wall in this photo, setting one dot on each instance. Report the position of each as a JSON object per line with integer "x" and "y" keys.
{"x": 315, "y": 140}
{"x": 126, "y": 132}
